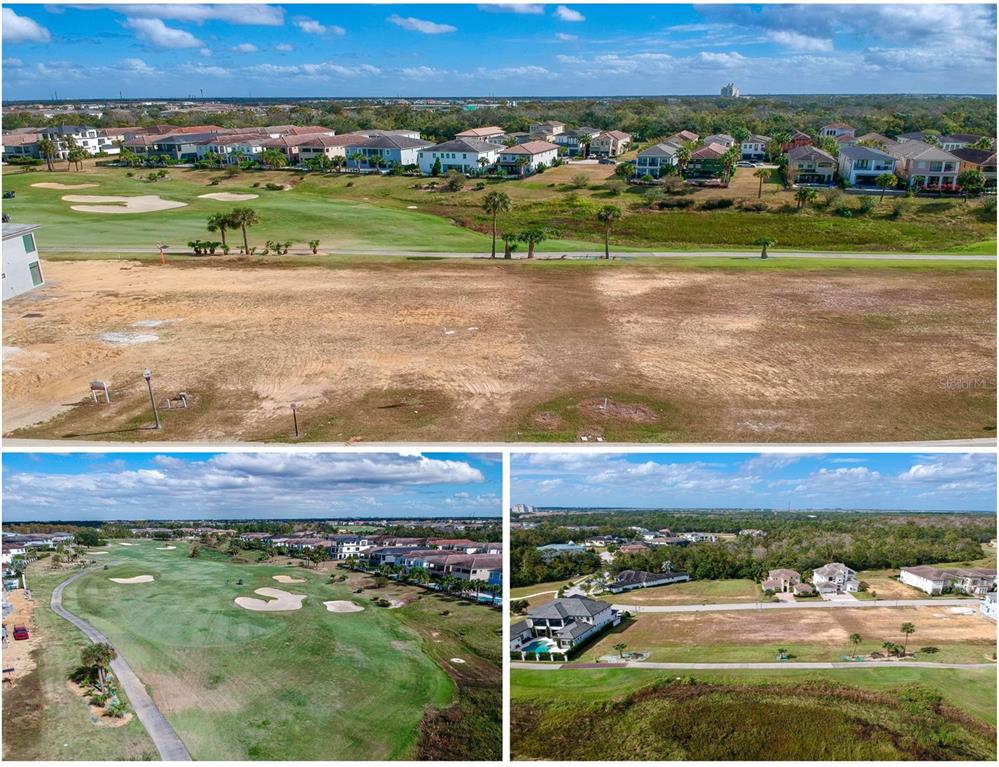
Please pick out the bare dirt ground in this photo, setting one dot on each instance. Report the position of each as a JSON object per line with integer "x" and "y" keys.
{"x": 18, "y": 654}
{"x": 477, "y": 352}
{"x": 934, "y": 626}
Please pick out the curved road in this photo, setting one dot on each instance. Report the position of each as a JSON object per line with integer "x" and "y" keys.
{"x": 723, "y": 666}
{"x": 709, "y": 608}
{"x": 164, "y": 737}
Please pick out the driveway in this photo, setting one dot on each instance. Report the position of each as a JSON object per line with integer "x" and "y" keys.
{"x": 164, "y": 737}
{"x": 844, "y": 597}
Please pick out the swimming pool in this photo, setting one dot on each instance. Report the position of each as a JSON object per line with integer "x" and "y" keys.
{"x": 539, "y": 645}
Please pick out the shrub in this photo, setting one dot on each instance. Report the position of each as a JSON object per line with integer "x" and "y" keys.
{"x": 898, "y": 210}
{"x": 830, "y": 196}
{"x": 845, "y": 211}
{"x": 680, "y": 203}
{"x": 274, "y": 187}
{"x": 756, "y": 206}
{"x": 867, "y": 204}
{"x": 721, "y": 202}
{"x": 580, "y": 180}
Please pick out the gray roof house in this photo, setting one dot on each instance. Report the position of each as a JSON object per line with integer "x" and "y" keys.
{"x": 656, "y": 160}
{"x": 628, "y": 580}
{"x": 925, "y": 165}
{"x": 560, "y": 626}
{"x": 861, "y": 165}
{"x": 835, "y": 578}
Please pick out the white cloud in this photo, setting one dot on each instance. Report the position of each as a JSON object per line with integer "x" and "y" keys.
{"x": 205, "y": 70}
{"x": 21, "y": 29}
{"x": 313, "y": 27}
{"x": 565, "y": 37}
{"x": 12, "y": 62}
{"x": 420, "y": 25}
{"x": 138, "y": 67}
{"x": 799, "y": 42}
{"x": 322, "y": 70}
{"x": 206, "y": 52}
{"x": 422, "y": 72}
{"x": 284, "y": 47}
{"x": 155, "y": 32}
{"x": 732, "y": 59}
{"x": 243, "y": 14}
{"x": 567, "y": 14}
{"x": 245, "y": 48}
{"x": 502, "y": 73}
{"x": 525, "y": 8}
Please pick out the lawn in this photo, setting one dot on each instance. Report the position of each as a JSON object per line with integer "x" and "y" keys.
{"x": 304, "y": 685}
{"x": 348, "y": 212}
{"x": 852, "y": 714}
{"x": 692, "y": 593}
{"x": 42, "y": 719}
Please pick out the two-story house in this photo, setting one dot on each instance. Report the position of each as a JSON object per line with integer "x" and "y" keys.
{"x": 576, "y": 141}
{"x": 835, "y": 578}
{"x": 838, "y": 130}
{"x": 656, "y": 161}
{"x": 754, "y": 148}
{"x": 782, "y": 579}
{"x": 384, "y": 151}
{"x": 924, "y": 165}
{"x": 707, "y": 162}
{"x": 525, "y": 159}
{"x": 861, "y": 165}
{"x": 469, "y": 156}
{"x": 560, "y": 626}
{"x": 811, "y": 166}
{"x": 796, "y": 139}
{"x": 610, "y": 143}
{"x": 492, "y": 133}
{"x": 982, "y": 160}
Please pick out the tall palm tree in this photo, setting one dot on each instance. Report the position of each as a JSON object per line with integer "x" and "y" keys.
{"x": 607, "y": 215}
{"x": 220, "y": 222}
{"x": 99, "y": 657}
{"x": 243, "y": 218}
{"x": 495, "y": 203}
{"x": 620, "y": 649}
{"x": 906, "y": 629}
{"x": 886, "y": 181}
{"x": 48, "y": 149}
{"x": 761, "y": 174}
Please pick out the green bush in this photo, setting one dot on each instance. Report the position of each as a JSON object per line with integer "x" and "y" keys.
{"x": 721, "y": 202}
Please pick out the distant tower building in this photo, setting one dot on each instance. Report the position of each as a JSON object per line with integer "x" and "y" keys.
{"x": 730, "y": 91}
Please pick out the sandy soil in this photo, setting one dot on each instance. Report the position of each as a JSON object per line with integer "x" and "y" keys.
{"x": 96, "y": 553}
{"x": 342, "y": 606}
{"x": 288, "y": 579}
{"x": 839, "y": 355}
{"x": 229, "y": 196}
{"x": 97, "y": 714}
{"x": 136, "y": 579}
{"x": 17, "y": 654}
{"x": 143, "y": 203}
{"x": 281, "y": 601}
{"x": 57, "y": 185}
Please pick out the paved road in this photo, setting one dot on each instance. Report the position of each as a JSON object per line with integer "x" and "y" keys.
{"x": 724, "y": 666}
{"x": 969, "y": 603}
{"x": 748, "y": 254}
{"x": 164, "y": 737}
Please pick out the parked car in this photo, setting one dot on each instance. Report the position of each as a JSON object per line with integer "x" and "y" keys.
{"x": 607, "y": 161}
{"x": 20, "y": 632}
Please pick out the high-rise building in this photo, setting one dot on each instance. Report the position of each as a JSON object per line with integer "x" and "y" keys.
{"x": 730, "y": 91}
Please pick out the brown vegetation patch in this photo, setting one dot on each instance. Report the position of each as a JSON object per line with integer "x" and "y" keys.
{"x": 97, "y": 714}
{"x": 611, "y": 410}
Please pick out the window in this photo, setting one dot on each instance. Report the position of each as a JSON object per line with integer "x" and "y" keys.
{"x": 36, "y": 273}
{"x": 29, "y": 243}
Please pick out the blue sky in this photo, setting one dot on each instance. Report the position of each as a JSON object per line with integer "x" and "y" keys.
{"x": 494, "y": 50}
{"x": 925, "y": 482}
{"x": 79, "y": 486}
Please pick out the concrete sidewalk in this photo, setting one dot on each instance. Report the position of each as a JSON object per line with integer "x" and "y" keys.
{"x": 857, "y": 603}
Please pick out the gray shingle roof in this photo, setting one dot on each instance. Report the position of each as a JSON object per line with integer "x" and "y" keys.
{"x": 569, "y": 607}
{"x": 854, "y": 152}
{"x": 465, "y": 145}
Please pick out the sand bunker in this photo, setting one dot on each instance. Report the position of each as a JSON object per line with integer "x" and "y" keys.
{"x": 457, "y": 660}
{"x": 394, "y": 604}
{"x": 165, "y": 548}
{"x": 126, "y": 544}
{"x": 136, "y": 579}
{"x": 57, "y": 185}
{"x": 280, "y": 601}
{"x": 288, "y": 579}
{"x": 95, "y": 553}
{"x": 342, "y": 606}
{"x": 229, "y": 196}
{"x": 143, "y": 203}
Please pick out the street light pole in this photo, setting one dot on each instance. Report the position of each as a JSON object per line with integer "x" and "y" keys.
{"x": 147, "y": 374}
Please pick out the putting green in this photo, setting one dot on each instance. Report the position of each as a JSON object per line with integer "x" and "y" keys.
{"x": 238, "y": 684}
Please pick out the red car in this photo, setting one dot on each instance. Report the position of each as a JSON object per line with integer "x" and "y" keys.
{"x": 20, "y": 632}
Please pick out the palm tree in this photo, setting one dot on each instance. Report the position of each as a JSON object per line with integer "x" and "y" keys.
{"x": 620, "y": 649}
{"x": 273, "y": 158}
{"x": 683, "y": 156}
{"x": 358, "y": 158}
{"x": 761, "y": 174}
{"x": 906, "y": 629}
{"x": 856, "y": 639}
{"x": 243, "y": 218}
{"x": 76, "y": 156}
{"x": 534, "y": 236}
{"x": 509, "y": 243}
{"x": 607, "y": 215}
{"x": 483, "y": 162}
{"x": 98, "y": 657}
{"x": 48, "y": 149}
{"x": 803, "y": 196}
{"x": 493, "y": 204}
{"x": 886, "y": 181}
{"x": 765, "y": 242}
{"x": 220, "y": 222}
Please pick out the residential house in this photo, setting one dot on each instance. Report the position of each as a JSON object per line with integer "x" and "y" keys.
{"x": 946, "y": 141}
{"x": 11, "y": 550}
{"x": 548, "y": 128}
{"x": 232, "y": 148}
{"x": 667, "y": 540}
{"x": 565, "y": 624}
{"x": 492, "y": 134}
{"x": 84, "y": 137}
{"x": 936, "y": 580}
{"x": 262, "y": 537}
{"x": 877, "y": 140}
{"x": 656, "y": 161}
{"x": 781, "y": 579}
{"x": 861, "y": 165}
{"x": 810, "y": 166}
{"x": 982, "y": 160}
{"x": 628, "y": 580}
{"x": 925, "y": 166}
{"x": 838, "y": 129}
{"x": 682, "y": 137}
{"x": 177, "y": 146}
{"x": 385, "y": 151}
{"x": 754, "y": 148}
{"x": 835, "y": 578}
{"x": 468, "y": 156}
{"x": 476, "y": 567}
{"x": 798, "y": 139}
{"x": 707, "y": 162}
{"x": 610, "y": 143}
{"x": 803, "y": 590}
{"x": 16, "y": 145}
{"x": 520, "y": 635}
{"x": 525, "y": 159}
{"x": 699, "y": 537}
{"x": 322, "y": 146}
{"x": 553, "y": 550}
{"x": 722, "y": 139}
{"x": 22, "y": 269}
{"x": 633, "y": 548}
{"x": 987, "y": 606}
{"x": 347, "y": 546}
{"x": 574, "y": 141}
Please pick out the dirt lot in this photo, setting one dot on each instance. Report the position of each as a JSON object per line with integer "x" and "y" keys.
{"x": 461, "y": 351}
{"x": 17, "y": 655}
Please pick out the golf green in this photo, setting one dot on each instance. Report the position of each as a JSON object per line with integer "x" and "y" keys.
{"x": 236, "y": 684}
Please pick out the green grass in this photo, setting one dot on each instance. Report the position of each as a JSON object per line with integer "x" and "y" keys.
{"x": 769, "y": 715}
{"x": 42, "y": 719}
{"x": 694, "y": 592}
{"x": 235, "y": 684}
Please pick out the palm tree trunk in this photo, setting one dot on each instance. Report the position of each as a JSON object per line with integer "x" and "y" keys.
{"x": 222, "y": 235}
{"x": 494, "y": 237}
{"x": 607, "y": 242}
{"x": 530, "y": 249}
{"x": 246, "y": 244}
{"x": 760, "y": 193}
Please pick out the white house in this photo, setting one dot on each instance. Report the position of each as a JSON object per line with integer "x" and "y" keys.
{"x": 524, "y": 159}
{"x": 699, "y": 537}
{"x": 754, "y": 148}
{"x": 558, "y": 626}
{"x": 85, "y": 138}
{"x": 610, "y": 143}
{"x": 628, "y": 580}
{"x": 468, "y": 156}
{"x": 21, "y": 269}
{"x": 836, "y": 130}
{"x": 988, "y": 606}
{"x": 391, "y": 149}
{"x": 937, "y": 580}
{"x": 492, "y": 133}
{"x": 861, "y": 165}
{"x": 722, "y": 139}
{"x": 835, "y": 577}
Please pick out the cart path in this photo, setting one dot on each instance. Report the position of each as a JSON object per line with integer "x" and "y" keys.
{"x": 164, "y": 737}
{"x": 541, "y": 666}
{"x": 707, "y": 608}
